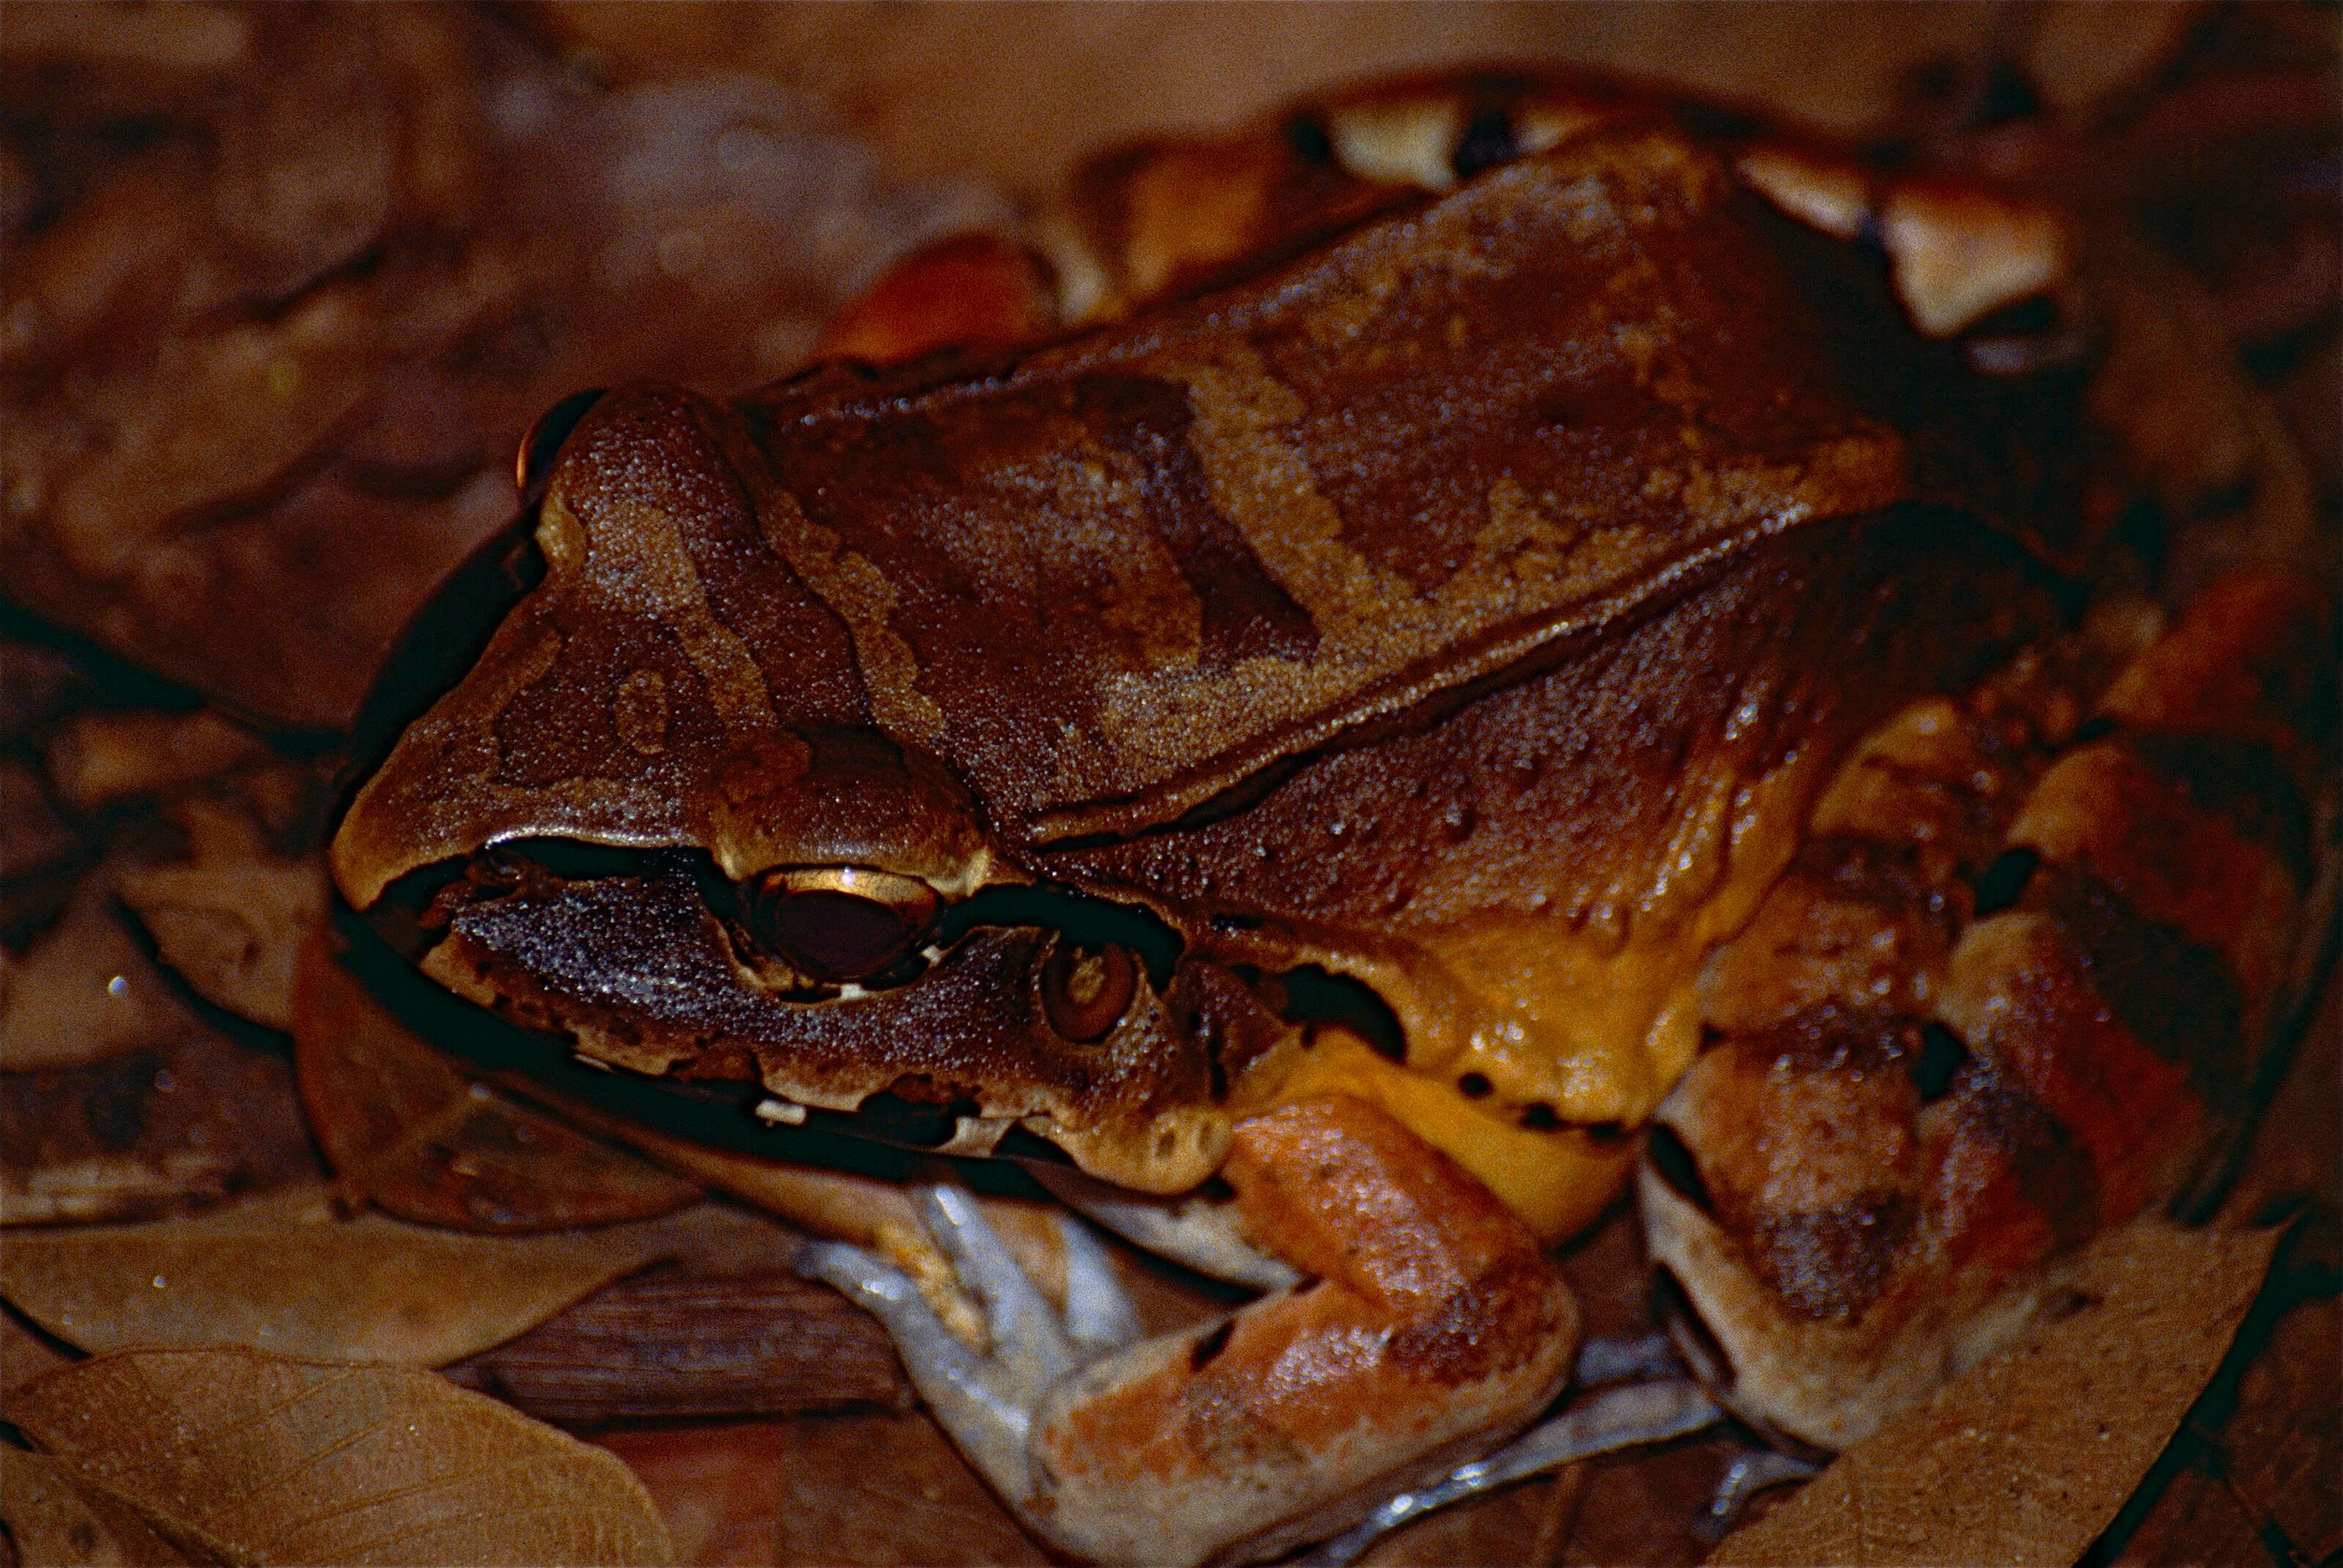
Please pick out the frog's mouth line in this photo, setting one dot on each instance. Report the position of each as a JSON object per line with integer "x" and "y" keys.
{"x": 648, "y": 959}
{"x": 890, "y": 1139}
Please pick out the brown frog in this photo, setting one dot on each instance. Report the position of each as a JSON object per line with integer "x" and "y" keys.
{"x": 1429, "y": 650}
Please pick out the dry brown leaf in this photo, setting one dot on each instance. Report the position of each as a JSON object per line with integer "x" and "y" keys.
{"x": 282, "y": 1274}
{"x": 228, "y": 416}
{"x": 232, "y": 930}
{"x": 102, "y": 758}
{"x": 25, "y": 1355}
{"x": 54, "y": 1520}
{"x": 84, "y": 992}
{"x": 2026, "y": 1458}
{"x": 406, "y": 1128}
{"x": 252, "y": 1457}
{"x": 881, "y": 1490}
{"x": 153, "y": 1133}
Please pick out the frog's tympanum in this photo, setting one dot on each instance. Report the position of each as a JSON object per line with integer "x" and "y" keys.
{"x": 1512, "y": 634}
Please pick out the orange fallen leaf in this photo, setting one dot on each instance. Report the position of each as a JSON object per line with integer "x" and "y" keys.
{"x": 236, "y": 1456}
{"x": 283, "y": 1273}
{"x": 2025, "y": 1458}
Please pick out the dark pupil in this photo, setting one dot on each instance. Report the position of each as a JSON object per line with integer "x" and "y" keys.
{"x": 837, "y": 935}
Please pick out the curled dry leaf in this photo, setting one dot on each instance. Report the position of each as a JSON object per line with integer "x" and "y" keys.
{"x": 54, "y": 1520}
{"x": 406, "y": 1128}
{"x": 246, "y": 1457}
{"x": 232, "y": 930}
{"x": 2026, "y": 1458}
{"x": 282, "y": 1274}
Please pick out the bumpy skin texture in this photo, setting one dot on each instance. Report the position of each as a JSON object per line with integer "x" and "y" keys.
{"x": 1457, "y": 518}
{"x": 2007, "y": 999}
{"x": 1431, "y": 1320}
{"x": 1583, "y": 608}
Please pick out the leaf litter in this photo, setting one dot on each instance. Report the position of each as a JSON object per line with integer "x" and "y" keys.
{"x": 234, "y": 1455}
{"x": 284, "y": 1273}
{"x": 408, "y": 1129}
{"x": 2023, "y": 1459}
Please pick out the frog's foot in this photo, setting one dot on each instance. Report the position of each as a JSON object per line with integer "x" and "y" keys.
{"x": 1429, "y": 1323}
{"x": 986, "y": 1401}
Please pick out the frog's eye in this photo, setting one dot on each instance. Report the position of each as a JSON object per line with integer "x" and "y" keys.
{"x": 1086, "y": 991}
{"x": 839, "y": 922}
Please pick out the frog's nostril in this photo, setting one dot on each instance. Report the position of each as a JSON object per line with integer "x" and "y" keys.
{"x": 839, "y": 922}
{"x": 1085, "y": 991}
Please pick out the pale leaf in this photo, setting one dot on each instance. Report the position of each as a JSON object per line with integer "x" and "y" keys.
{"x": 232, "y": 929}
{"x": 2026, "y": 1458}
{"x": 282, "y": 1274}
{"x": 84, "y": 992}
{"x": 257, "y": 1457}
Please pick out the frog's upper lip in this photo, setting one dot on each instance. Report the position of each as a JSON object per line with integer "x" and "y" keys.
{"x": 630, "y": 961}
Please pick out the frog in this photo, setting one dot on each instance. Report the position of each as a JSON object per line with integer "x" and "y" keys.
{"x": 1368, "y": 686}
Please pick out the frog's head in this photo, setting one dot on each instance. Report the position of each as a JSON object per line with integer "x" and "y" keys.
{"x": 665, "y": 813}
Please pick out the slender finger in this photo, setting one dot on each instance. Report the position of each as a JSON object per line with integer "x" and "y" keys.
{"x": 987, "y": 1414}
{"x": 1100, "y": 1316}
{"x": 1642, "y": 1357}
{"x": 1027, "y": 1341}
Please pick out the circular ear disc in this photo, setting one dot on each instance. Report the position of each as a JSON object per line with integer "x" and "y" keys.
{"x": 839, "y": 922}
{"x": 1085, "y": 991}
{"x": 543, "y": 442}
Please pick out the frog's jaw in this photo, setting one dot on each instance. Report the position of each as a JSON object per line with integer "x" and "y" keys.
{"x": 642, "y": 974}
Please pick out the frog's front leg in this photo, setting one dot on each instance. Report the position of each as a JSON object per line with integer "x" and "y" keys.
{"x": 1428, "y": 1326}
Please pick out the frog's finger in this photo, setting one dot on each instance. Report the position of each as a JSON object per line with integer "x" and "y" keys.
{"x": 1030, "y": 1349}
{"x": 1100, "y": 1316}
{"x": 1751, "y": 1471}
{"x": 1628, "y": 1360}
{"x": 987, "y": 1413}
